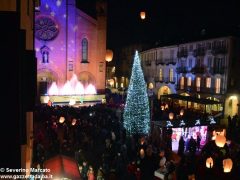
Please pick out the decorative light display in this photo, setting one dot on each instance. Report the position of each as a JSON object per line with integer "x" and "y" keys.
{"x": 227, "y": 165}
{"x": 136, "y": 114}
{"x": 209, "y": 162}
{"x": 197, "y": 122}
{"x": 211, "y": 119}
{"x": 169, "y": 124}
{"x": 72, "y": 87}
{"x": 182, "y": 123}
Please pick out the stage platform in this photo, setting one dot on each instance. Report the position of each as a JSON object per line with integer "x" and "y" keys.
{"x": 79, "y": 99}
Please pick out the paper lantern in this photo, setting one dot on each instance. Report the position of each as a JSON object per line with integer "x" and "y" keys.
{"x": 227, "y": 165}
{"x": 162, "y": 107}
{"x": 74, "y": 121}
{"x": 61, "y": 119}
{"x": 171, "y": 116}
{"x": 220, "y": 140}
{"x": 209, "y": 162}
{"x": 142, "y": 153}
{"x": 181, "y": 112}
{"x": 142, "y": 15}
{"x": 109, "y": 55}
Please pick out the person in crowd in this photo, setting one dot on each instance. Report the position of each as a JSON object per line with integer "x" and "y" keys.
{"x": 181, "y": 146}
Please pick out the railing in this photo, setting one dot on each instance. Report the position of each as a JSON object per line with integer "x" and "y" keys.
{"x": 165, "y": 79}
{"x": 182, "y": 69}
{"x": 217, "y": 70}
{"x": 219, "y": 50}
{"x": 170, "y": 61}
{"x": 147, "y": 63}
{"x": 199, "y": 52}
{"x": 182, "y": 53}
{"x": 193, "y": 89}
{"x": 198, "y": 70}
{"x": 159, "y": 61}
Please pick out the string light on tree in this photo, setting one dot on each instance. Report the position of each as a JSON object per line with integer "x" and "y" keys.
{"x": 136, "y": 112}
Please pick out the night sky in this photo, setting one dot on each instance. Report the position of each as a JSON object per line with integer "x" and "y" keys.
{"x": 167, "y": 21}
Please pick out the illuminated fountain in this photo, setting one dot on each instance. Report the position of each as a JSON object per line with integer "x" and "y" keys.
{"x": 72, "y": 87}
{"x": 72, "y": 92}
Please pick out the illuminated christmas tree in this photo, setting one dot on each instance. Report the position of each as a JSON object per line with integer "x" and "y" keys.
{"x": 136, "y": 114}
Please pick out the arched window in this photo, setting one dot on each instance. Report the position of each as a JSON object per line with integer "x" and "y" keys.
{"x": 84, "y": 51}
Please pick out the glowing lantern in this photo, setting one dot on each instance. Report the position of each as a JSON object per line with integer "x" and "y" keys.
{"x": 162, "y": 108}
{"x": 142, "y": 15}
{"x": 142, "y": 141}
{"x": 181, "y": 112}
{"x": 166, "y": 106}
{"x": 74, "y": 121}
{"x": 171, "y": 115}
{"x": 109, "y": 55}
{"x": 220, "y": 140}
{"x": 142, "y": 153}
{"x": 61, "y": 119}
{"x": 227, "y": 165}
{"x": 209, "y": 162}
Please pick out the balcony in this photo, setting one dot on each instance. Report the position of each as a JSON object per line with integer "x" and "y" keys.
{"x": 219, "y": 50}
{"x": 159, "y": 61}
{"x": 165, "y": 80}
{"x": 147, "y": 63}
{"x": 217, "y": 70}
{"x": 204, "y": 90}
{"x": 199, "y": 52}
{"x": 182, "y": 53}
{"x": 170, "y": 61}
{"x": 182, "y": 69}
{"x": 198, "y": 70}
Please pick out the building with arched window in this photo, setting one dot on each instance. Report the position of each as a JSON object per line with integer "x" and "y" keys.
{"x": 68, "y": 41}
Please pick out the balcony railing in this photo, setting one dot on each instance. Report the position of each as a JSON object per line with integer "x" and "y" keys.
{"x": 147, "y": 63}
{"x": 199, "y": 52}
{"x": 198, "y": 70}
{"x": 159, "y": 61}
{"x": 182, "y": 53}
{"x": 182, "y": 69}
{"x": 219, "y": 50}
{"x": 170, "y": 61}
{"x": 193, "y": 89}
{"x": 217, "y": 70}
{"x": 165, "y": 79}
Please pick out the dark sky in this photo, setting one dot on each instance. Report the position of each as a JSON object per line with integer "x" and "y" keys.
{"x": 168, "y": 21}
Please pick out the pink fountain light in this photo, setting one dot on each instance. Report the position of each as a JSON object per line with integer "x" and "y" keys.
{"x": 72, "y": 87}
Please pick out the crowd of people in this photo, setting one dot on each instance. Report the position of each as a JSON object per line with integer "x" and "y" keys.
{"x": 95, "y": 138}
